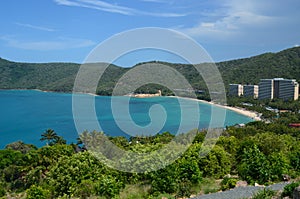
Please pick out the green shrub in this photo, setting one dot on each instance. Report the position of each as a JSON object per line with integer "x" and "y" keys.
{"x": 133, "y": 191}
{"x": 216, "y": 163}
{"x": 85, "y": 189}
{"x": 2, "y": 191}
{"x": 184, "y": 189}
{"x": 109, "y": 187}
{"x": 264, "y": 194}
{"x": 164, "y": 180}
{"x": 254, "y": 166}
{"x": 68, "y": 173}
{"x": 189, "y": 169}
{"x": 209, "y": 185}
{"x": 37, "y": 192}
{"x": 288, "y": 189}
{"x": 228, "y": 183}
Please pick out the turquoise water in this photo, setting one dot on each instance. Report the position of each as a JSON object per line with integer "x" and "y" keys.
{"x": 26, "y": 114}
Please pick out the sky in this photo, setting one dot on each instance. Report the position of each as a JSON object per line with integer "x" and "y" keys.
{"x": 68, "y": 30}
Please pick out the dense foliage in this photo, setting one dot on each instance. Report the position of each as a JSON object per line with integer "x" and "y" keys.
{"x": 61, "y": 76}
{"x": 289, "y": 189}
{"x": 258, "y": 153}
{"x": 269, "y": 65}
{"x": 264, "y": 194}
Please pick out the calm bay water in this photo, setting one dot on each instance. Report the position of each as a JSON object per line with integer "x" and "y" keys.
{"x": 26, "y": 114}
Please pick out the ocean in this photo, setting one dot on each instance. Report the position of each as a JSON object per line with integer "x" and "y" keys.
{"x": 26, "y": 114}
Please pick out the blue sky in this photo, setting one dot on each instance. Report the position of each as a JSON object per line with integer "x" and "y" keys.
{"x": 67, "y": 30}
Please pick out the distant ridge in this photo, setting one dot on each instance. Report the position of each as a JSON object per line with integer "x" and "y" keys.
{"x": 60, "y": 76}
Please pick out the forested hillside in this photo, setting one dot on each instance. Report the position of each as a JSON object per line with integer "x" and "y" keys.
{"x": 61, "y": 76}
{"x": 284, "y": 64}
{"x": 48, "y": 76}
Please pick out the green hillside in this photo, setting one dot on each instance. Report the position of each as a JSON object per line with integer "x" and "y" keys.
{"x": 284, "y": 64}
{"x": 48, "y": 76}
{"x": 61, "y": 76}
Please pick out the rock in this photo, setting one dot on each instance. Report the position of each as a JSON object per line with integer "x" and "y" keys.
{"x": 258, "y": 185}
{"x": 286, "y": 177}
{"x": 296, "y": 193}
{"x": 235, "y": 176}
{"x": 227, "y": 176}
{"x": 241, "y": 184}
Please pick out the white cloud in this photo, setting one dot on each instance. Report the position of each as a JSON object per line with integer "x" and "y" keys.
{"x": 113, "y": 8}
{"x": 66, "y": 3}
{"x": 59, "y": 44}
{"x": 36, "y": 27}
{"x": 207, "y": 25}
{"x": 98, "y": 5}
{"x": 231, "y": 19}
{"x": 164, "y": 14}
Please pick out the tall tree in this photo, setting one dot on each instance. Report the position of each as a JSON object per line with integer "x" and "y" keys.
{"x": 49, "y": 135}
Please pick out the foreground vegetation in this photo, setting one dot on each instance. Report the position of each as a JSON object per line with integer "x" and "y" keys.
{"x": 257, "y": 153}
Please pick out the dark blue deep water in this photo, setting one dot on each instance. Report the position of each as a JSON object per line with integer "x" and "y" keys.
{"x": 26, "y": 114}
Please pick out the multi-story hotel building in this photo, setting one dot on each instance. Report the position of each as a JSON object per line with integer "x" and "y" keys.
{"x": 250, "y": 91}
{"x": 280, "y": 88}
{"x": 235, "y": 89}
{"x": 266, "y": 89}
{"x": 286, "y": 89}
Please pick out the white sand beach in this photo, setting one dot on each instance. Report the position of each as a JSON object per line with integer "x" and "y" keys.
{"x": 254, "y": 115}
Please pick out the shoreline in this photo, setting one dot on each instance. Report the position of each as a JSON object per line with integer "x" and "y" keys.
{"x": 252, "y": 114}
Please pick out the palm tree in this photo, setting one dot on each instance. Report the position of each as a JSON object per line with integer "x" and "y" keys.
{"x": 79, "y": 141}
{"x": 49, "y": 135}
{"x": 59, "y": 140}
{"x": 84, "y": 138}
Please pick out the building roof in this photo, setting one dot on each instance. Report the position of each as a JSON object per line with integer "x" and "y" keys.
{"x": 294, "y": 124}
